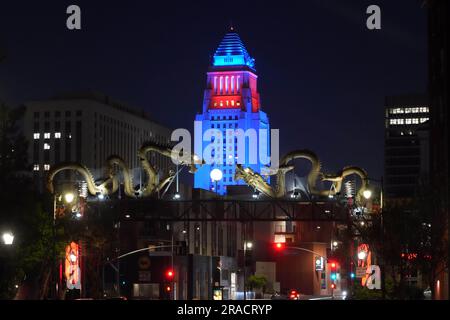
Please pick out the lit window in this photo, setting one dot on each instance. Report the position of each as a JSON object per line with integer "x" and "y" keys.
{"x": 408, "y": 121}
{"x": 415, "y": 121}
{"x": 36, "y": 136}
{"x": 232, "y": 103}
{"x": 408, "y": 110}
{"x": 47, "y": 135}
{"x": 57, "y": 135}
{"x": 415, "y": 110}
{"x": 422, "y": 120}
{"x": 221, "y": 103}
{"x": 36, "y": 167}
{"x": 397, "y": 111}
{"x": 46, "y": 167}
{"x": 46, "y": 146}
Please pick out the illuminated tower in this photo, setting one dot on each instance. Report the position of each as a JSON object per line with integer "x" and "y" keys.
{"x": 231, "y": 101}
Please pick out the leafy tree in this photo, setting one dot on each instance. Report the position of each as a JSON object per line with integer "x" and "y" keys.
{"x": 256, "y": 282}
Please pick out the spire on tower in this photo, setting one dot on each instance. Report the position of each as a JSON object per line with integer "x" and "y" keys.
{"x": 232, "y": 52}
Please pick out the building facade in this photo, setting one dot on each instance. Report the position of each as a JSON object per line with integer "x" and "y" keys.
{"x": 406, "y": 145}
{"x": 438, "y": 89}
{"x": 231, "y": 102}
{"x": 87, "y": 128}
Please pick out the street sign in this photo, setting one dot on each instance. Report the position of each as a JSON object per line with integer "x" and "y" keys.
{"x": 360, "y": 272}
{"x": 319, "y": 263}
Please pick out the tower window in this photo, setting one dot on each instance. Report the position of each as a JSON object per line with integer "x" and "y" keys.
{"x": 36, "y": 167}
{"x": 36, "y": 136}
{"x": 46, "y": 146}
{"x": 46, "y": 167}
{"x": 47, "y": 135}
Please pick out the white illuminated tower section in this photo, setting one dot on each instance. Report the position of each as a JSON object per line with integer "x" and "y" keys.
{"x": 231, "y": 101}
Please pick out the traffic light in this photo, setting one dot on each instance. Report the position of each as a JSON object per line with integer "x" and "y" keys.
{"x": 279, "y": 246}
{"x": 168, "y": 288}
{"x": 333, "y": 286}
{"x": 333, "y": 270}
{"x": 170, "y": 274}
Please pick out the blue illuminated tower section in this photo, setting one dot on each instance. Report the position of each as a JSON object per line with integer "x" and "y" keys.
{"x": 231, "y": 101}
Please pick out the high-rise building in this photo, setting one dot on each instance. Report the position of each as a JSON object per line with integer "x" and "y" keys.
{"x": 87, "y": 128}
{"x": 406, "y": 145}
{"x": 231, "y": 102}
{"x": 438, "y": 89}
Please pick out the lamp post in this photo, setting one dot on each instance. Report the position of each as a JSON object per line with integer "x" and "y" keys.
{"x": 216, "y": 175}
{"x": 248, "y": 245}
{"x": 367, "y": 194}
{"x": 68, "y": 197}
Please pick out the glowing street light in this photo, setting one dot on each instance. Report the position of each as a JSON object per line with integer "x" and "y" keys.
{"x": 367, "y": 194}
{"x": 176, "y": 196}
{"x": 69, "y": 197}
{"x": 249, "y": 245}
{"x": 362, "y": 255}
{"x": 216, "y": 175}
{"x": 8, "y": 238}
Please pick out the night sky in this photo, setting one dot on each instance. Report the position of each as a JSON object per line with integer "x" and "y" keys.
{"x": 322, "y": 74}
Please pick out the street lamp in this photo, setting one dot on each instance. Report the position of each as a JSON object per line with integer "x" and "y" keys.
{"x": 216, "y": 175}
{"x": 8, "y": 238}
{"x": 69, "y": 197}
{"x": 362, "y": 255}
{"x": 367, "y": 194}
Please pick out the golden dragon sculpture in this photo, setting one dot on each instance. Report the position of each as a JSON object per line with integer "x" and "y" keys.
{"x": 110, "y": 185}
{"x": 256, "y": 181}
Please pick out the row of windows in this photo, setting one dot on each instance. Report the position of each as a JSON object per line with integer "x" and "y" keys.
{"x": 226, "y": 84}
{"x": 408, "y": 121}
{"x": 409, "y": 110}
{"x": 224, "y": 118}
{"x": 47, "y": 135}
{"x": 224, "y": 125}
{"x": 228, "y": 103}
{"x": 57, "y": 114}
{"x": 36, "y": 167}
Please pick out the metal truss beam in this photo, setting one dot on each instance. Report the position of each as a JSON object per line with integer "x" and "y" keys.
{"x": 225, "y": 210}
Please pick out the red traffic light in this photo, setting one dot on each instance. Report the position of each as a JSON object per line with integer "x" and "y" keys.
{"x": 333, "y": 286}
{"x": 170, "y": 274}
{"x": 279, "y": 246}
{"x": 333, "y": 264}
{"x": 168, "y": 288}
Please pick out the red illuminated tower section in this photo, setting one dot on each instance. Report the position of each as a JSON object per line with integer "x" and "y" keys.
{"x": 231, "y": 101}
{"x": 232, "y": 80}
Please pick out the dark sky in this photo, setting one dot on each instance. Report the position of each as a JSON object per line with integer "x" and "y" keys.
{"x": 322, "y": 74}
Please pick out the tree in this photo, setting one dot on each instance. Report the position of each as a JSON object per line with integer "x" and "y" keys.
{"x": 23, "y": 211}
{"x": 256, "y": 282}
